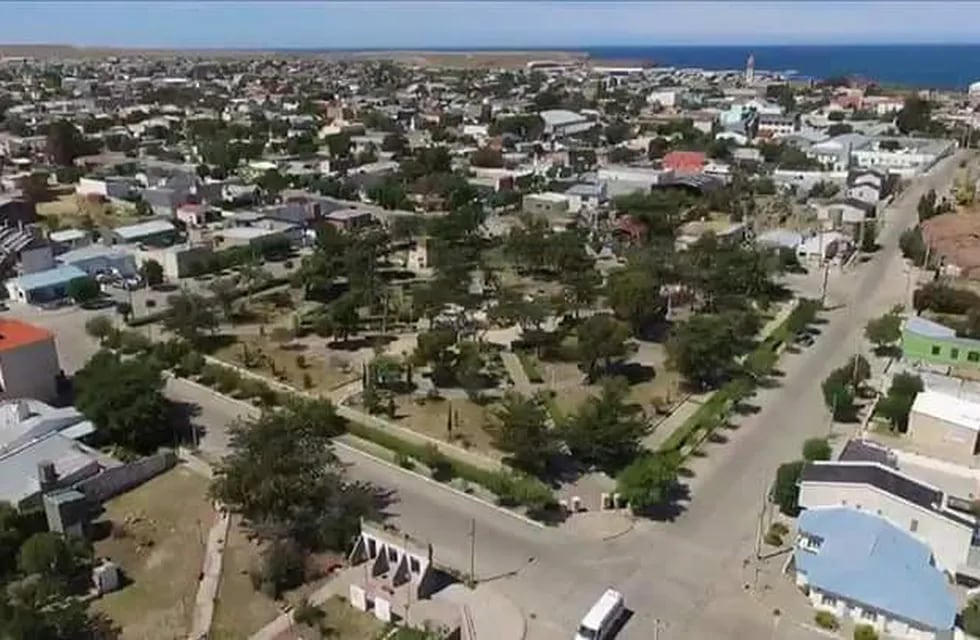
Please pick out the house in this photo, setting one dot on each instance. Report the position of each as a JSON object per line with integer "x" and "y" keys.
{"x": 684, "y": 162}
{"x": 159, "y": 232}
{"x": 859, "y": 566}
{"x": 68, "y": 239}
{"x": 946, "y": 426}
{"x": 545, "y": 204}
{"x": 823, "y": 246}
{"x": 920, "y": 508}
{"x": 725, "y": 231}
{"x": 179, "y": 260}
{"x": 44, "y": 286}
{"x": 845, "y": 211}
{"x": 16, "y": 209}
{"x": 928, "y": 342}
{"x": 349, "y": 220}
{"x": 585, "y": 195}
{"x": 192, "y": 215}
{"x": 863, "y": 192}
{"x": 261, "y": 233}
{"x": 561, "y": 122}
{"x": 28, "y": 362}
{"x": 98, "y": 259}
{"x": 775, "y": 125}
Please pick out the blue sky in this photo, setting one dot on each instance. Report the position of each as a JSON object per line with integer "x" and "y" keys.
{"x": 474, "y": 23}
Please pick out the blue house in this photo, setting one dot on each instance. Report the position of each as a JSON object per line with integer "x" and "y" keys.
{"x": 855, "y": 564}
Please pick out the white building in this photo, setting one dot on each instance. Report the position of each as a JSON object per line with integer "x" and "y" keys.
{"x": 561, "y": 122}
{"x": 28, "y": 362}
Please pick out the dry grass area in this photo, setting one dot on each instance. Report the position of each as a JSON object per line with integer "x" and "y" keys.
{"x": 159, "y": 533}
{"x": 431, "y": 416}
{"x": 663, "y": 390}
{"x": 340, "y": 621}
{"x": 71, "y": 210}
{"x": 289, "y": 363}
{"x": 241, "y": 610}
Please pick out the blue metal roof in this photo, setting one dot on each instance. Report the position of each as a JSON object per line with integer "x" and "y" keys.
{"x": 927, "y": 328}
{"x": 49, "y": 278}
{"x": 870, "y": 561}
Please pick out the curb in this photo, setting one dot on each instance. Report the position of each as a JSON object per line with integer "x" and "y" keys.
{"x": 441, "y": 485}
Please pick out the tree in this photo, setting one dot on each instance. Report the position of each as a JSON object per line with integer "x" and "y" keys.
{"x": 394, "y": 143}
{"x": 152, "y": 273}
{"x": 51, "y": 555}
{"x": 838, "y": 394}
{"x": 703, "y": 349}
{"x": 839, "y": 128}
{"x": 345, "y": 317}
{"x": 786, "y": 488}
{"x": 487, "y": 157}
{"x": 971, "y": 616}
{"x": 634, "y": 296}
{"x": 885, "y": 330}
{"x": 65, "y": 143}
{"x": 99, "y": 327}
{"x": 601, "y": 338}
{"x": 913, "y": 246}
{"x": 124, "y": 400}
{"x": 865, "y": 632}
{"x": 606, "y": 430}
{"x": 816, "y": 449}
{"x": 190, "y": 316}
{"x": 927, "y": 205}
{"x": 83, "y": 290}
{"x": 915, "y": 115}
{"x": 284, "y": 479}
{"x": 897, "y": 404}
{"x": 283, "y": 567}
{"x": 617, "y": 132}
{"x": 520, "y": 428}
{"x": 649, "y": 480}
{"x": 225, "y": 292}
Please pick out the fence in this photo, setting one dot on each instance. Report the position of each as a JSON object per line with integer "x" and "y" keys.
{"x": 116, "y": 480}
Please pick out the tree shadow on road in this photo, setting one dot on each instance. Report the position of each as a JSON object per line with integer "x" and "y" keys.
{"x": 671, "y": 508}
{"x": 182, "y": 422}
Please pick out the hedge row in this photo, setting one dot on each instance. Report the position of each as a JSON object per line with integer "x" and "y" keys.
{"x": 510, "y": 488}
{"x": 758, "y": 363}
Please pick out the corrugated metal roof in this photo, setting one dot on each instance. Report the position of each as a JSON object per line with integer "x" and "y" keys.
{"x": 868, "y": 560}
{"x": 49, "y": 278}
{"x": 927, "y": 328}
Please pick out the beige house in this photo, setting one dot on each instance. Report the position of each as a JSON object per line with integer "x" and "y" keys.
{"x": 945, "y": 426}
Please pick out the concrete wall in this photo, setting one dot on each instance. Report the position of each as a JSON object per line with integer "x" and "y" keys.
{"x": 945, "y": 440}
{"x": 116, "y": 480}
{"x": 30, "y": 371}
{"x": 949, "y": 540}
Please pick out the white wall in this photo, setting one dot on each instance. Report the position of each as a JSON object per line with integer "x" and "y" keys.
{"x": 949, "y": 541}
{"x": 30, "y": 371}
{"x": 843, "y": 608}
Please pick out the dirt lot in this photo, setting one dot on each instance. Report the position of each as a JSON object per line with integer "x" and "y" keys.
{"x": 241, "y": 610}
{"x": 158, "y": 539}
{"x": 430, "y": 418}
{"x": 71, "y": 211}
{"x": 341, "y": 621}
{"x": 283, "y": 361}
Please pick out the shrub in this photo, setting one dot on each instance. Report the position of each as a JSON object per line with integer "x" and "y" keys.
{"x": 404, "y": 460}
{"x": 283, "y": 567}
{"x": 816, "y": 449}
{"x": 865, "y": 632}
{"x": 307, "y": 381}
{"x": 191, "y": 364}
{"x": 773, "y": 539}
{"x": 227, "y": 380}
{"x": 133, "y": 342}
{"x": 780, "y": 528}
{"x": 826, "y": 620}
{"x": 308, "y": 614}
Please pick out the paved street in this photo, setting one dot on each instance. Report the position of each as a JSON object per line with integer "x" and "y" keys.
{"x": 686, "y": 574}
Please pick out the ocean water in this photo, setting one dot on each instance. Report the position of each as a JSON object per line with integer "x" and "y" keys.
{"x": 938, "y": 66}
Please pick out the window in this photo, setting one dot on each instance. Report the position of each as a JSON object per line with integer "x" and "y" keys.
{"x": 828, "y": 601}
{"x": 413, "y": 565}
{"x": 868, "y": 615}
{"x": 954, "y": 353}
{"x": 914, "y": 525}
{"x": 973, "y": 356}
{"x": 392, "y": 554}
{"x": 935, "y": 350}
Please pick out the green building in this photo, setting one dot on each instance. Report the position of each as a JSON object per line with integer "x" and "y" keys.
{"x": 930, "y": 342}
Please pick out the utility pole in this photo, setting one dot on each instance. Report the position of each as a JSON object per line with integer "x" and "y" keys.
{"x": 823, "y": 289}
{"x": 473, "y": 550}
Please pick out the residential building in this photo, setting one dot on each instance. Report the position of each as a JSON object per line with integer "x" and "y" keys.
{"x": 545, "y": 204}
{"x": 860, "y": 566}
{"x": 928, "y": 342}
{"x": 68, "y": 239}
{"x": 585, "y": 195}
{"x": 561, "y": 122}
{"x": 773, "y": 125}
{"x": 684, "y": 162}
{"x": 160, "y": 232}
{"x": 44, "y": 286}
{"x": 945, "y": 426}
{"x": 179, "y": 260}
{"x": 28, "y": 362}
{"x": 908, "y": 503}
{"x": 98, "y": 259}
{"x": 349, "y": 219}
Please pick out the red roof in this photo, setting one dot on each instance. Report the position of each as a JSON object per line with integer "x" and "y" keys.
{"x": 15, "y": 334}
{"x": 685, "y": 161}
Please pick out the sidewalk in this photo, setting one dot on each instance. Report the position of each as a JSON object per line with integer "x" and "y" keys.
{"x": 515, "y": 369}
{"x": 207, "y": 590}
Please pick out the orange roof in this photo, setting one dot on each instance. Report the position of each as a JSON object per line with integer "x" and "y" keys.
{"x": 15, "y": 334}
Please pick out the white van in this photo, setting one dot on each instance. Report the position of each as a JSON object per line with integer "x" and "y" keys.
{"x": 599, "y": 621}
